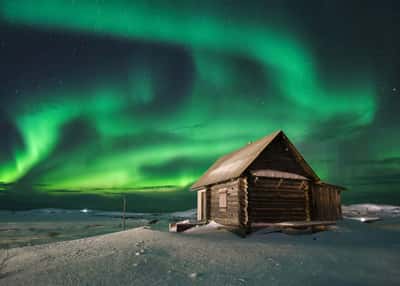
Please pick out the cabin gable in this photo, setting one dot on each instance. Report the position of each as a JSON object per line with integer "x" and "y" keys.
{"x": 280, "y": 155}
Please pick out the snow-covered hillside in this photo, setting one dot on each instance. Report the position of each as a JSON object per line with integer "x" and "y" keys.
{"x": 352, "y": 254}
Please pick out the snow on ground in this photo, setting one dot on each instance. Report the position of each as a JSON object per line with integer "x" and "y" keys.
{"x": 371, "y": 209}
{"x": 32, "y": 227}
{"x": 189, "y": 214}
{"x": 212, "y": 226}
{"x": 351, "y": 254}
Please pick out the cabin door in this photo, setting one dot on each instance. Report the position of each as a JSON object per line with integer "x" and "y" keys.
{"x": 201, "y": 205}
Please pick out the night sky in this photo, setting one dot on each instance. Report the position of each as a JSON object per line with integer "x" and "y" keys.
{"x": 110, "y": 97}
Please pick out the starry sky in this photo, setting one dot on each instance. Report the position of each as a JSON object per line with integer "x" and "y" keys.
{"x": 101, "y": 98}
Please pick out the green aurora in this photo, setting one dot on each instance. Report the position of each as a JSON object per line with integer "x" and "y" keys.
{"x": 137, "y": 128}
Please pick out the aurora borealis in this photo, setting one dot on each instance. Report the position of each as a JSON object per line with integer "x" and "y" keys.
{"x": 100, "y": 98}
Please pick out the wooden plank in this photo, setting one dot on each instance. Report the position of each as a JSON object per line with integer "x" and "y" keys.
{"x": 182, "y": 226}
{"x": 280, "y": 215}
{"x": 278, "y": 205}
{"x": 274, "y": 186}
{"x": 277, "y": 198}
{"x": 274, "y": 182}
{"x": 277, "y": 179}
{"x": 266, "y": 189}
{"x": 285, "y": 216}
{"x": 278, "y": 208}
{"x": 274, "y": 221}
{"x": 273, "y": 211}
{"x": 278, "y": 218}
{"x": 296, "y": 224}
{"x": 275, "y": 191}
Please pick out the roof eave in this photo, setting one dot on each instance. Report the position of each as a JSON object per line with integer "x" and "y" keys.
{"x": 332, "y": 185}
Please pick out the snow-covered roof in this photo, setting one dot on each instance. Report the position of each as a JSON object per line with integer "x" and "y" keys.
{"x": 277, "y": 174}
{"x": 234, "y": 164}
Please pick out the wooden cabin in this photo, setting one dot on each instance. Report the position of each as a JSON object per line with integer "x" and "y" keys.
{"x": 264, "y": 182}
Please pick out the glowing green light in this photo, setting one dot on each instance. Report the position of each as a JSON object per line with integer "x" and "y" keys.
{"x": 226, "y": 107}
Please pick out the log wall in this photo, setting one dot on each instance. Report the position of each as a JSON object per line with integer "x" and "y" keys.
{"x": 243, "y": 202}
{"x": 277, "y": 200}
{"x": 268, "y": 200}
{"x": 235, "y": 213}
{"x": 326, "y": 204}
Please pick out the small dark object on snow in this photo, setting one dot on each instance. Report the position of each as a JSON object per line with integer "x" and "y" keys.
{"x": 183, "y": 225}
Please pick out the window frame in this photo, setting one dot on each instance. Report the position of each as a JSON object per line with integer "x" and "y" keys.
{"x": 223, "y": 199}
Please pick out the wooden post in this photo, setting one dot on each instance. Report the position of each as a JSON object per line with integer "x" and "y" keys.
{"x": 201, "y": 205}
{"x": 243, "y": 188}
{"x": 308, "y": 203}
{"x": 123, "y": 212}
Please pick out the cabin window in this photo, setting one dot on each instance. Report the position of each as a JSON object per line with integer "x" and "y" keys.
{"x": 222, "y": 199}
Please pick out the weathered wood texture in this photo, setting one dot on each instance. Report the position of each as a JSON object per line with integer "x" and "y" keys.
{"x": 228, "y": 215}
{"x": 180, "y": 226}
{"x": 266, "y": 181}
{"x": 269, "y": 200}
{"x": 243, "y": 202}
{"x": 277, "y": 200}
{"x": 279, "y": 156}
{"x": 326, "y": 204}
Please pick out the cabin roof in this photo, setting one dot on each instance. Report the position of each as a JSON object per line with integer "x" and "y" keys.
{"x": 235, "y": 163}
{"x": 340, "y": 188}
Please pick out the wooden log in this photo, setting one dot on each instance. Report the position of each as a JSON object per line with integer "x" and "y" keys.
{"x": 276, "y": 218}
{"x": 282, "y": 189}
{"x": 275, "y": 191}
{"x": 307, "y": 206}
{"x": 281, "y": 205}
{"x": 277, "y": 196}
{"x": 277, "y": 201}
{"x": 278, "y": 215}
{"x": 277, "y": 184}
{"x": 274, "y": 181}
{"x": 274, "y": 186}
{"x": 273, "y": 220}
{"x": 244, "y": 200}
{"x": 278, "y": 208}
